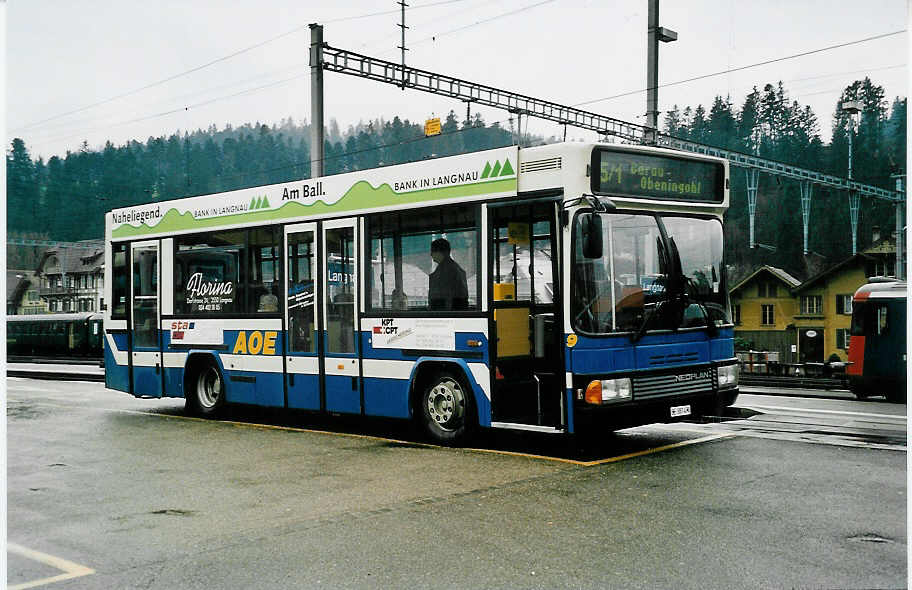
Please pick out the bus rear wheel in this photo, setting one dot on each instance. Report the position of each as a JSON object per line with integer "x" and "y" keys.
{"x": 206, "y": 391}
{"x": 445, "y": 409}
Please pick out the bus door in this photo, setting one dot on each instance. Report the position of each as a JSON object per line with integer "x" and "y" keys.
{"x": 341, "y": 364}
{"x": 528, "y": 367}
{"x": 302, "y": 362}
{"x": 146, "y": 376}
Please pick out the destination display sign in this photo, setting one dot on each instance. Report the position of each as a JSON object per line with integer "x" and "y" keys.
{"x": 647, "y": 176}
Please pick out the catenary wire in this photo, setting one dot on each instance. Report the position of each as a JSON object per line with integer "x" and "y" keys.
{"x": 221, "y": 59}
{"x": 749, "y": 66}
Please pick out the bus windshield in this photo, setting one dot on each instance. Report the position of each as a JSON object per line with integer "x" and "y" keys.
{"x": 645, "y": 281}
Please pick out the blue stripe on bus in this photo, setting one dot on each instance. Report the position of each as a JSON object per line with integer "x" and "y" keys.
{"x": 174, "y": 382}
{"x": 147, "y": 381}
{"x": 386, "y": 397}
{"x": 341, "y": 396}
{"x": 305, "y": 393}
{"x": 615, "y": 353}
{"x": 117, "y": 377}
{"x": 120, "y": 340}
{"x": 240, "y": 391}
{"x": 269, "y": 391}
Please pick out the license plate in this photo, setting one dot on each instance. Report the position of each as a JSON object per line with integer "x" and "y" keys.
{"x": 680, "y": 411}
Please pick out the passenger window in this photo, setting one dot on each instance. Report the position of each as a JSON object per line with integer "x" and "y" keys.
{"x": 340, "y": 293}
{"x": 119, "y": 276}
{"x": 263, "y": 271}
{"x": 207, "y": 273}
{"x": 424, "y": 260}
{"x": 882, "y": 324}
{"x": 301, "y": 275}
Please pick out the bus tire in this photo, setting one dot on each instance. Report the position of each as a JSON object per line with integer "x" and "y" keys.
{"x": 205, "y": 390}
{"x": 446, "y": 408}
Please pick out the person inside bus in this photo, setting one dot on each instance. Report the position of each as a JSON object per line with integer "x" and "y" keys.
{"x": 447, "y": 288}
{"x": 399, "y": 299}
{"x": 268, "y": 301}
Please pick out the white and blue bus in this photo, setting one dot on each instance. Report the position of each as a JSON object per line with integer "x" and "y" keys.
{"x": 571, "y": 286}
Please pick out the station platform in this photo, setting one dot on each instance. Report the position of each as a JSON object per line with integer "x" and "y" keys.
{"x": 61, "y": 372}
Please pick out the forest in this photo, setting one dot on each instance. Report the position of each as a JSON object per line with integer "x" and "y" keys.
{"x": 65, "y": 198}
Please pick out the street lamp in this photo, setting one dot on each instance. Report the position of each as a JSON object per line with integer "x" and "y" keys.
{"x": 853, "y": 108}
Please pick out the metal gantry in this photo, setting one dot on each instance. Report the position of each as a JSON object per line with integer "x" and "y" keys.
{"x": 753, "y": 179}
{"x": 324, "y": 56}
{"x": 805, "y": 210}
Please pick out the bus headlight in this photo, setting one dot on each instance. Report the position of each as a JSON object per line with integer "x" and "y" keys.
{"x": 728, "y": 376}
{"x": 608, "y": 390}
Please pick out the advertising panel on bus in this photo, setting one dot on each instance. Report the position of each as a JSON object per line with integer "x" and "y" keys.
{"x": 466, "y": 177}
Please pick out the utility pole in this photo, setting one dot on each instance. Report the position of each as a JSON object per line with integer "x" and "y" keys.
{"x": 654, "y": 33}
{"x": 316, "y": 100}
{"x": 402, "y": 47}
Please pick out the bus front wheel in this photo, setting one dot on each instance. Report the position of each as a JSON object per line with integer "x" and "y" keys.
{"x": 445, "y": 409}
{"x": 206, "y": 391}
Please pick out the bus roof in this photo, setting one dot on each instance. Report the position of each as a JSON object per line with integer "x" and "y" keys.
{"x": 562, "y": 169}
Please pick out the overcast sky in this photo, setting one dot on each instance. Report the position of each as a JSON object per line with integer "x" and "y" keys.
{"x": 63, "y": 56}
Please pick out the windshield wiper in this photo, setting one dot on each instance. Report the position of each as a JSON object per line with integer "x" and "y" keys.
{"x": 697, "y": 300}
{"x": 669, "y": 287}
{"x": 641, "y": 331}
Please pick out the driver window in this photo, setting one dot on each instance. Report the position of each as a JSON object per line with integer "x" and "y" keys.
{"x": 611, "y": 293}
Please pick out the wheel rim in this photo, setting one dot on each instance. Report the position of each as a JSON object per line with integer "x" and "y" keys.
{"x": 446, "y": 404}
{"x": 209, "y": 388}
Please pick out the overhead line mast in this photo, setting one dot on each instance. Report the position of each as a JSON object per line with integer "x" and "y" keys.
{"x": 324, "y": 56}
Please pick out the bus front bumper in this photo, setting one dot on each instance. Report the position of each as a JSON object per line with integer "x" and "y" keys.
{"x": 703, "y": 406}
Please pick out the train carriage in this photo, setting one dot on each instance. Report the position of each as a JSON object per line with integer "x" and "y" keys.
{"x": 57, "y": 335}
{"x": 877, "y": 342}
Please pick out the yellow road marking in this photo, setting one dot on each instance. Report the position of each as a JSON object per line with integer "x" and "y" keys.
{"x": 610, "y": 459}
{"x": 415, "y": 443}
{"x": 71, "y": 570}
{"x": 683, "y": 443}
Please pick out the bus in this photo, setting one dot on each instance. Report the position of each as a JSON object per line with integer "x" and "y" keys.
{"x": 557, "y": 289}
{"x": 877, "y": 340}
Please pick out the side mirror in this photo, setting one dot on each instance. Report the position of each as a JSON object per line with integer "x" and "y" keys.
{"x": 591, "y": 235}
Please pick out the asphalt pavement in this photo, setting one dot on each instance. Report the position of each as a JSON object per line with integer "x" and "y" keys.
{"x": 127, "y": 493}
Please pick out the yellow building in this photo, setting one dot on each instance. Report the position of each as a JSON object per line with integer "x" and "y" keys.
{"x": 763, "y": 308}
{"x": 824, "y": 302}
